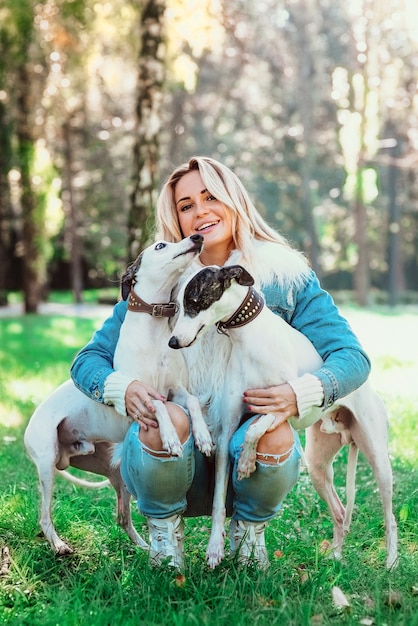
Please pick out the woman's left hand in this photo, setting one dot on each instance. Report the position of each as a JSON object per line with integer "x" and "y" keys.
{"x": 279, "y": 399}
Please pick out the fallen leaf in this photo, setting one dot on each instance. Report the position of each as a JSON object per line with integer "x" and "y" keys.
{"x": 317, "y": 619}
{"x": 393, "y": 598}
{"x": 5, "y": 561}
{"x": 368, "y": 602}
{"x": 180, "y": 580}
{"x": 367, "y": 621}
{"x": 278, "y": 554}
{"x": 303, "y": 574}
{"x": 325, "y": 546}
{"x": 339, "y": 598}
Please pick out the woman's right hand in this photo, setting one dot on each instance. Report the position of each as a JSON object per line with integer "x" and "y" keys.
{"x": 139, "y": 405}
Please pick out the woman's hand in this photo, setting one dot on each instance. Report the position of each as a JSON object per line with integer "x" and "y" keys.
{"x": 139, "y": 405}
{"x": 279, "y": 399}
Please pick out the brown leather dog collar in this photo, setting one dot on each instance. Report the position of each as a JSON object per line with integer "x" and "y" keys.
{"x": 249, "y": 308}
{"x": 135, "y": 303}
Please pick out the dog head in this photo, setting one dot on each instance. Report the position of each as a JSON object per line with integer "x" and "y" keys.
{"x": 161, "y": 264}
{"x": 209, "y": 296}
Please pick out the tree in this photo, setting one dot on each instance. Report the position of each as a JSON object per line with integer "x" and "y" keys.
{"x": 151, "y": 74}
{"x": 28, "y": 81}
{"x": 5, "y": 165}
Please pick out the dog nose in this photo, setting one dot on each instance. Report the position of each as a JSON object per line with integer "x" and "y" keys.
{"x": 196, "y": 238}
{"x": 174, "y": 343}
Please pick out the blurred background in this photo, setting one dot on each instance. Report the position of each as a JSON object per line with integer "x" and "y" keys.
{"x": 313, "y": 103}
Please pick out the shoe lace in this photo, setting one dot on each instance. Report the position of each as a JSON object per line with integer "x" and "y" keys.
{"x": 168, "y": 533}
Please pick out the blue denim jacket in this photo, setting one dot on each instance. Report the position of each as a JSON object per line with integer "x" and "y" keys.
{"x": 309, "y": 309}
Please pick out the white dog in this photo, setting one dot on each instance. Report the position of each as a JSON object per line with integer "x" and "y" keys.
{"x": 265, "y": 351}
{"x": 70, "y": 428}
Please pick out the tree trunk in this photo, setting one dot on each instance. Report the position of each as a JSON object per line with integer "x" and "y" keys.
{"x": 361, "y": 275}
{"x": 148, "y": 112}
{"x": 71, "y": 212}
{"x": 32, "y": 227}
{"x": 5, "y": 213}
{"x": 307, "y": 96}
{"x": 396, "y": 277}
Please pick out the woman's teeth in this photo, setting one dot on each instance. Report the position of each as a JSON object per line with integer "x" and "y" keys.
{"x": 206, "y": 226}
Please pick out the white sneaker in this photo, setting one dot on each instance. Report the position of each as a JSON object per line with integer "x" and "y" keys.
{"x": 166, "y": 541}
{"x": 248, "y": 539}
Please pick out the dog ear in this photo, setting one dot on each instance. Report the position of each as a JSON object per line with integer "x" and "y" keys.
{"x": 238, "y": 273}
{"x": 129, "y": 277}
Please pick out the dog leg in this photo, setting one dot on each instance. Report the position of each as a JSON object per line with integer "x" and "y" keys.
{"x": 375, "y": 448}
{"x": 350, "y": 485}
{"x": 169, "y": 437}
{"x": 216, "y": 546}
{"x": 246, "y": 462}
{"x": 46, "y": 481}
{"x": 201, "y": 434}
{"x": 43, "y": 448}
{"x": 101, "y": 463}
{"x": 320, "y": 450}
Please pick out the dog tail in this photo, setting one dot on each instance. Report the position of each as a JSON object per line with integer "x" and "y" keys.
{"x": 350, "y": 484}
{"x": 80, "y": 482}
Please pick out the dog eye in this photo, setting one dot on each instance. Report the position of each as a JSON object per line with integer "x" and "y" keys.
{"x": 160, "y": 245}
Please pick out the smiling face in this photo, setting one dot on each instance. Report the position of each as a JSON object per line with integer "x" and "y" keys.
{"x": 200, "y": 213}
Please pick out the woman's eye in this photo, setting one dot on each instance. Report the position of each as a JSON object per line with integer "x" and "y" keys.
{"x": 210, "y": 197}
{"x": 185, "y": 207}
{"x": 160, "y": 245}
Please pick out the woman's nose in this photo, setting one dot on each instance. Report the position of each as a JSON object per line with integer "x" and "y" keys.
{"x": 201, "y": 208}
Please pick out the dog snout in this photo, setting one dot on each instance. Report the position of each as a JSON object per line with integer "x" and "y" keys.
{"x": 174, "y": 343}
{"x": 196, "y": 238}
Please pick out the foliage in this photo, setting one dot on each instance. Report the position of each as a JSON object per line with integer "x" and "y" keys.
{"x": 108, "y": 581}
{"x": 300, "y": 98}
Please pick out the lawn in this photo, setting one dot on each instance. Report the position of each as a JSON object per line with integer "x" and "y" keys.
{"x": 107, "y": 580}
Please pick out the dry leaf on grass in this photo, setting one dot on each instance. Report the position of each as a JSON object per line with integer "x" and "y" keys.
{"x": 6, "y": 561}
{"x": 325, "y": 547}
{"x": 303, "y": 573}
{"x": 180, "y": 580}
{"x": 393, "y": 598}
{"x": 339, "y": 598}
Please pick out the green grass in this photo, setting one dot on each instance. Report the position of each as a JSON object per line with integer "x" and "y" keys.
{"x": 108, "y": 582}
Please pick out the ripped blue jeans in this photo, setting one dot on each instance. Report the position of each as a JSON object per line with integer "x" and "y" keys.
{"x": 164, "y": 486}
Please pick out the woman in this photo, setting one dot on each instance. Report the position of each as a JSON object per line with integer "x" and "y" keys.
{"x": 204, "y": 196}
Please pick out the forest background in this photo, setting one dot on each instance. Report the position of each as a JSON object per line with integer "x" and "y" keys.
{"x": 313, "y": 103}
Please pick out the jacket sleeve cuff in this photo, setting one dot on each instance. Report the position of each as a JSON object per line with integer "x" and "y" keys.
{"x": 309, "y": 392}
{"x": 115, "y": 387}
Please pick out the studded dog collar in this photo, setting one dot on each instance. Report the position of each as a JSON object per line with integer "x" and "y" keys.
{"x": 249, "y": 308}
{"x": 136, "y": 304}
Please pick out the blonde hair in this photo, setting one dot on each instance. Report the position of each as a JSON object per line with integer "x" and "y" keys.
{"x": 225, "y": 186}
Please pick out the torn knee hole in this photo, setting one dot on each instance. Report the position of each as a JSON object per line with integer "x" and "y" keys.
{"x": 274, "y": 459}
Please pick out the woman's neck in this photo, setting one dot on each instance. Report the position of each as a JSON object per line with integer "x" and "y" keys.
{"x": 214, "y": 257}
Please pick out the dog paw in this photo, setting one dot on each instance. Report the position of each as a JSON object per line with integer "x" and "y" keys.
{"x": 205, "y": 446}
{"x": 246, "y": 466}
{"x": 214, "y": 556}
{"x": 172, "y": 446}
{"x": 215, "y": 551}
{"x": 202, "y": 439}
{"x": 63, "y": 550}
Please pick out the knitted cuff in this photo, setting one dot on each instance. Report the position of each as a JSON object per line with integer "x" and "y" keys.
{"x": 115, "y": 387}
{"x": 309, "y": 392}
